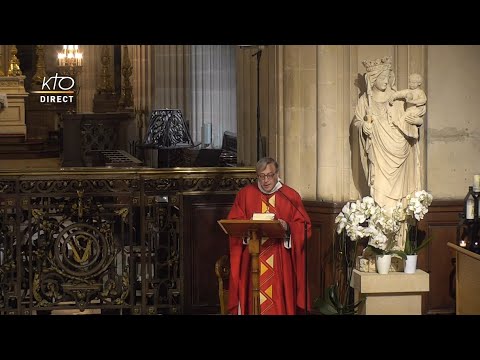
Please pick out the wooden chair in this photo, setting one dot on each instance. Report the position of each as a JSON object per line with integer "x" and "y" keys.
{"x": 222, "y": 269}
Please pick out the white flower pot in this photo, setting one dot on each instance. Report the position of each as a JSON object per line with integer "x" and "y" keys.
{"x": 410, "y": 264}
{"x": 382, "y": 262}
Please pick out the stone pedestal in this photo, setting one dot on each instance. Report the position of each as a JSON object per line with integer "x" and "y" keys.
{"x": 12, "y": 117}
{"x": 395, "y": 293}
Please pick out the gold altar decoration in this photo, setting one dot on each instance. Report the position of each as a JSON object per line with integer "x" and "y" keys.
{"x": 14, "y": 64}
{"x": 126, "y": 99}
{"x": 40, "y": 72}
{"x": 106, "y": 84}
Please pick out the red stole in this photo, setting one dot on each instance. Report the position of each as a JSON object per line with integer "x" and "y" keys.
{"x": 269, "y": 263}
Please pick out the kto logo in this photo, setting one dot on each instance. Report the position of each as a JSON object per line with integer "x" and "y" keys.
{"x": 58, "y": 88}
{"x": 63, "y": 83}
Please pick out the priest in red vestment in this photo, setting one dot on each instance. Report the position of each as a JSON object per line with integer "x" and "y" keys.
{"x": 282, "y": 261}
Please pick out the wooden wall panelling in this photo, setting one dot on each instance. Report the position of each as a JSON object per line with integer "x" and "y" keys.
{"x": 440, "y": 222}
{"x": 204, "y": 242}
{"x": 201, "y": 213}
{"x": 437, "y": 259}
{"x": 319, "y": 247}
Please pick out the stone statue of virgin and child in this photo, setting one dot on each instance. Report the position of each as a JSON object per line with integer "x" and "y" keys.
{"x": 387, "y": 124}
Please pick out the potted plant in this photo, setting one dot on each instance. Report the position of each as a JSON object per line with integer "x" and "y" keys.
{"x": 415, "y": 210}
{"x": 338, "y": 297}
{"x": 358, "y": 221}
{"x": 361, "y": 220}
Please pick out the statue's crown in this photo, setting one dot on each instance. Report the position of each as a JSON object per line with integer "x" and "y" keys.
{"x": 384, "y": 63}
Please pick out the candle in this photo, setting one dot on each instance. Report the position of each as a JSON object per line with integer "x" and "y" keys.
{"x": 476, "y": 183}
{"x": 207, "y": 134}
{"x": 463, "y": 243}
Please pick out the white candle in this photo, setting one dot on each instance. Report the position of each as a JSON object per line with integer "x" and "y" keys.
{"x": 463, "y": 243}
{"x": 207, "y": 134}
{"x": 470, "y": 211}
{"x": 476, "y": 183}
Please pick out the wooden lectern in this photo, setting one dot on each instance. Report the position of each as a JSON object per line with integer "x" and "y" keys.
{"x": 255, "y": 229}
{"x": 467, "y": 281}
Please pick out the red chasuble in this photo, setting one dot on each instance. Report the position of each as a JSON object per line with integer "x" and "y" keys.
{"x": 282, "y": 281}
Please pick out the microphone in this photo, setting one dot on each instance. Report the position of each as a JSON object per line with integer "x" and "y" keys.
{"x": 305, "y": 232}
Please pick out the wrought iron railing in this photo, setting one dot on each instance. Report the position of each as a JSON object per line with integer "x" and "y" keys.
{"x": 100, "y": 239}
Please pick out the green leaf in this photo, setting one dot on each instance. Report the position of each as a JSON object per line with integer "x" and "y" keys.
{"x": 333, "y": 295}
{"x": 423, "y": 244}
{"x": 399, "y": 253}
{"x": 325, "y": 307}
{"x": 375, "y": 250}
{"x": 408, "y": 247}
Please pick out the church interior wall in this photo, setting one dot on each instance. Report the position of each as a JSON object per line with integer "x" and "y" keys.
{"x": 307, "y": 96}
{"x": 453, "y": 132}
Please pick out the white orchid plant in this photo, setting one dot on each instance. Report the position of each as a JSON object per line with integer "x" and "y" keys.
{"x": 411, "y": 214}
{"x": 364, "y": 218}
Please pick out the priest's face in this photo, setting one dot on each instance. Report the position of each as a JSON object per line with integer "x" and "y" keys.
{"x": 268, "y": 178}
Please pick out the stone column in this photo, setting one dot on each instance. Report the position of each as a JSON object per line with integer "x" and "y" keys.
{"x": 141, "y": 56}
{"x": 409, "y": 59}
{"x": 3, "y": 60}
{"x": 298, "y": 152}
{"x": 247, "y": 101}
{"x": 87, "y": 81}
{"x": 311, "y": 98}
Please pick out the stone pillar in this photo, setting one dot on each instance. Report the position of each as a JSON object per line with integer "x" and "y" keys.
{"x": 87, "y": 81}
{"x": 105, "y": 98}
{"x": 310, "y": 103}
{"x": 143, "y": 73}
{"x": 247, "y": 101}
{"x": 333, "y": 115}
{"x": 142, "y": 60}
{"x": 3, "y": 60}
{"x": 300, "y": 119}
{"x": 171, "y": 68}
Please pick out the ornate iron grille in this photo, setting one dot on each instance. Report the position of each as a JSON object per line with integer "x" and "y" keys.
{"x": 108, "y": 240}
